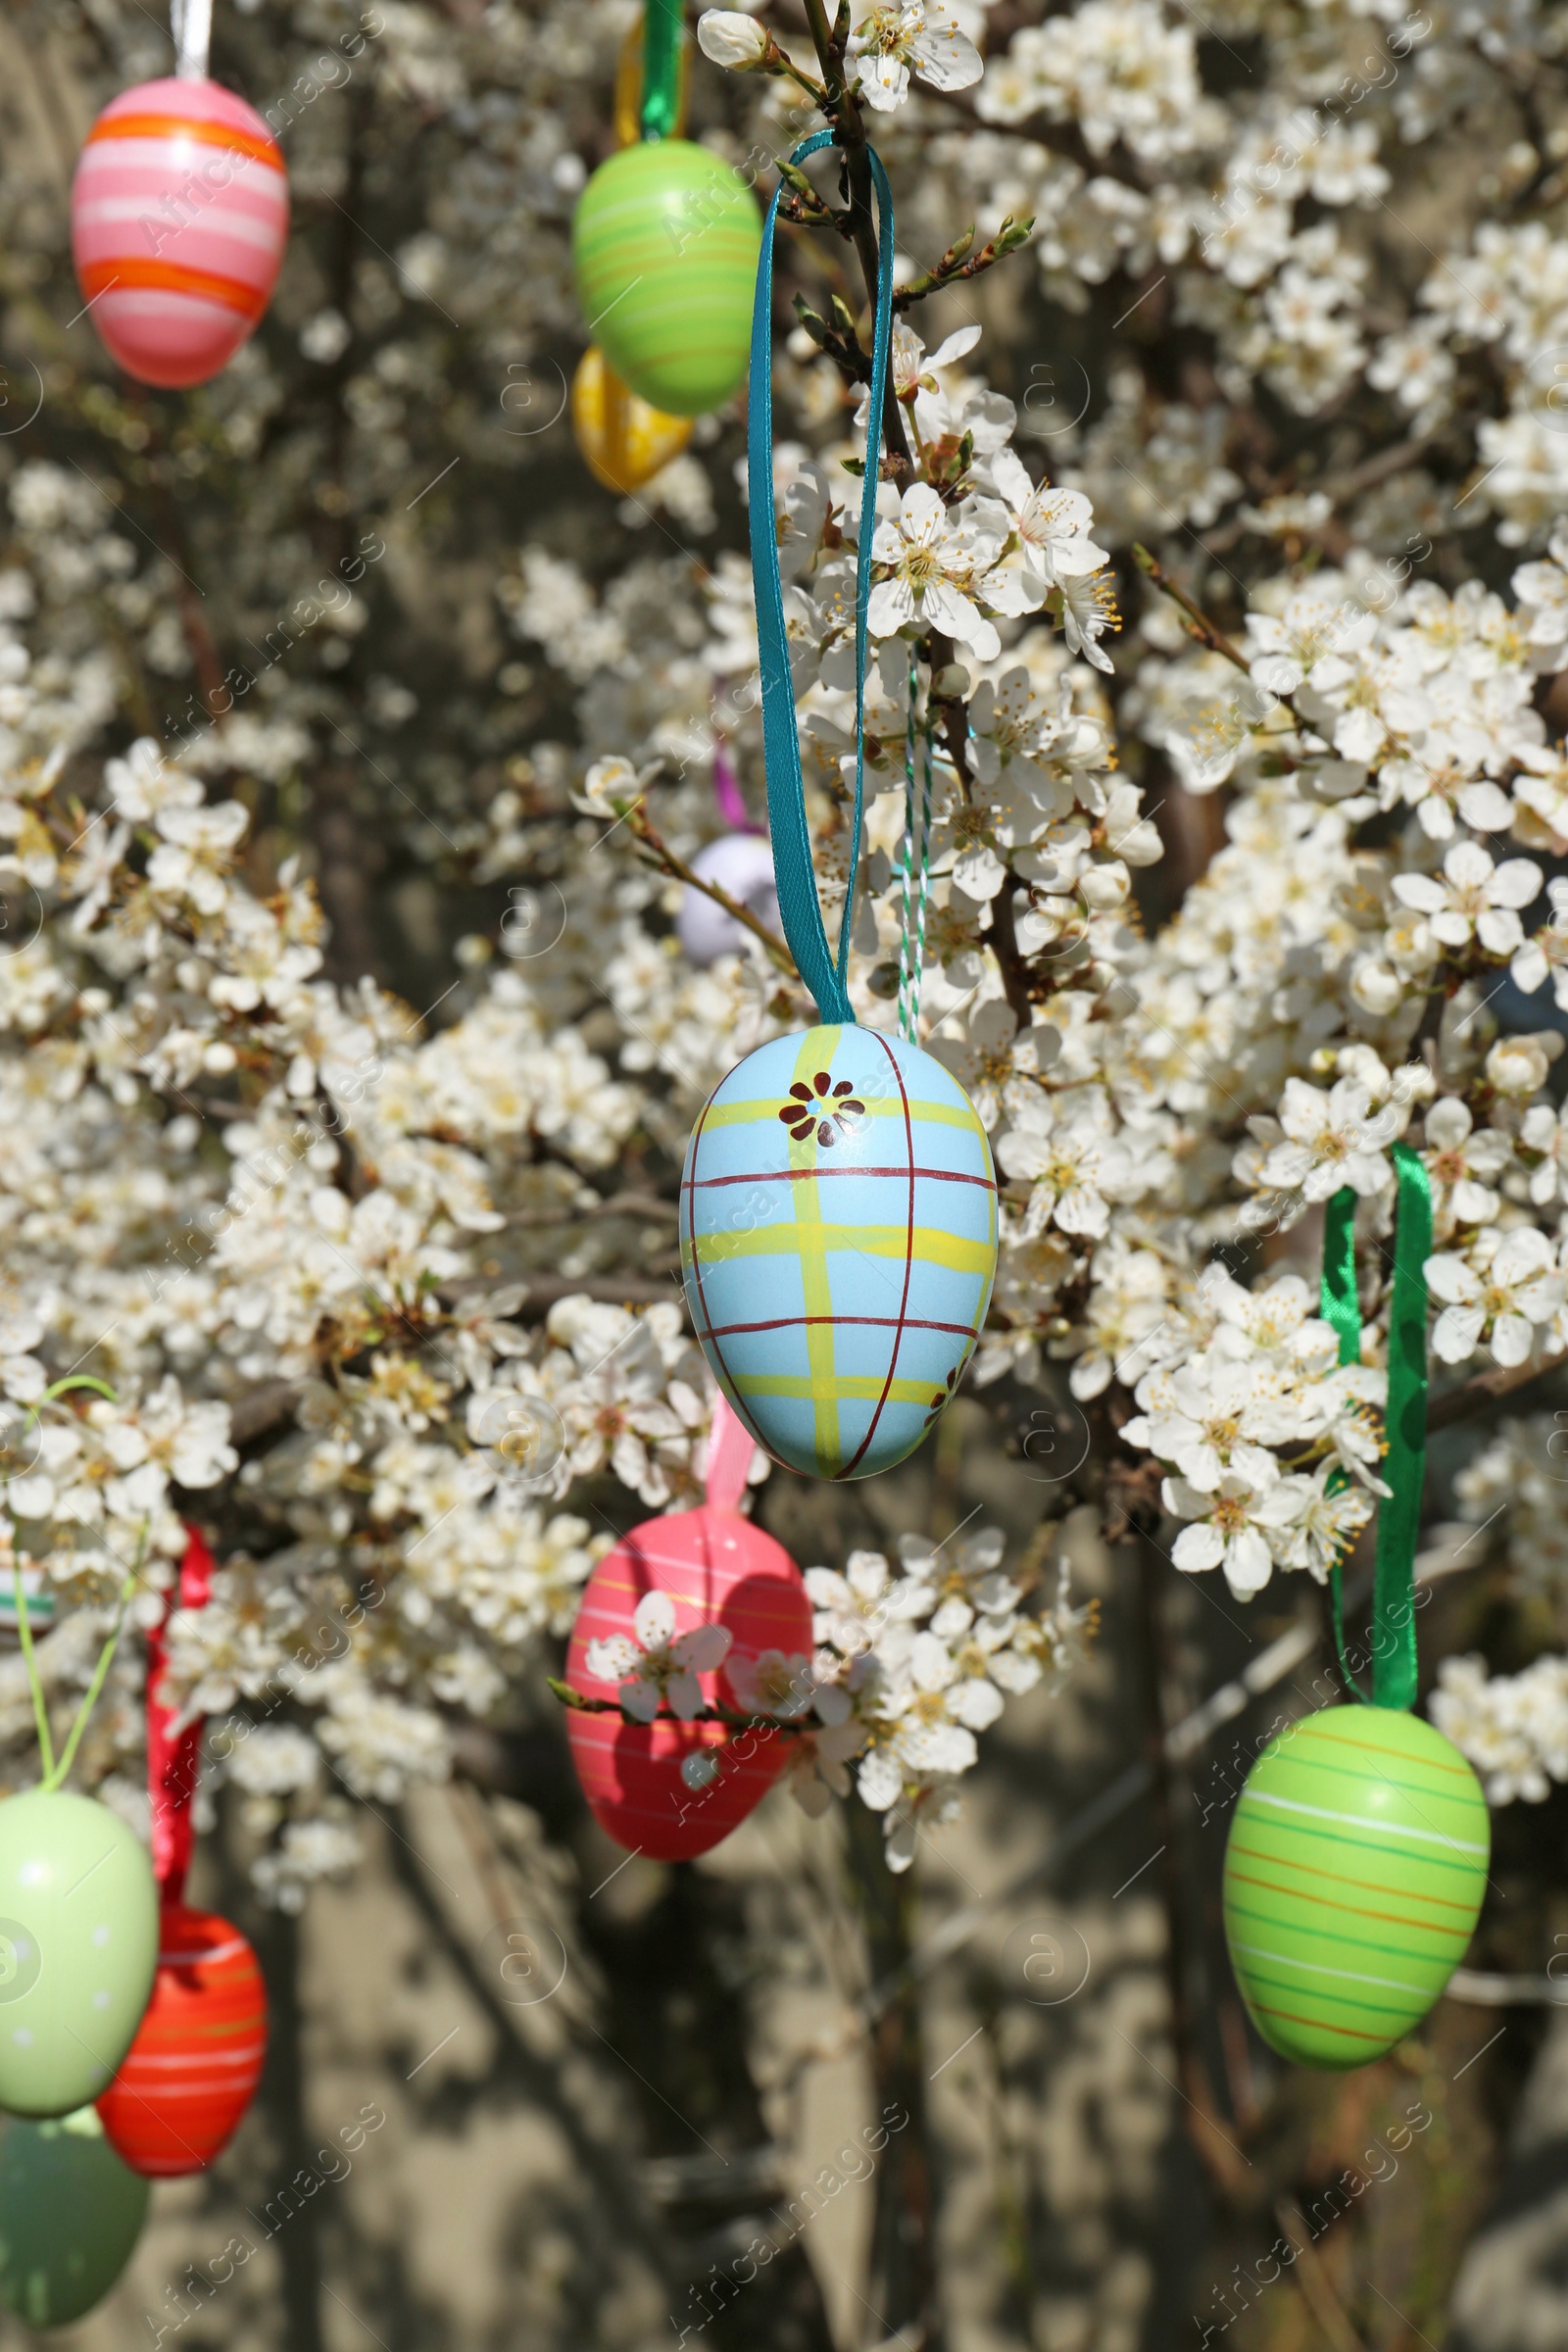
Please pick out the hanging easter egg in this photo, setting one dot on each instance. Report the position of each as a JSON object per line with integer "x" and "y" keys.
{"x": 193, "y": 2068}
{"x": 78, "y": 1943}
{"x": 677, "y": 1616}
{"x": 664, "y": 244}
{"x": 624, "y": 441}
{"x": 838, "y": 1236}
{"x": 1353, "y": 1874}
{"x": 71, "y": 2213}
{"x": 741, "y": 863}
{"x": 179, "y": 220}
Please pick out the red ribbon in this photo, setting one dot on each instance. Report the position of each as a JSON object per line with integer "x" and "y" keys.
{"x": 174, "y": 1757}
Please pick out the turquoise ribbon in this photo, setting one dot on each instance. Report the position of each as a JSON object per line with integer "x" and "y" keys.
{"x": 799, "y": 909}
{"x": 661, "y": 32}
{"x": 1394, "y": 1647}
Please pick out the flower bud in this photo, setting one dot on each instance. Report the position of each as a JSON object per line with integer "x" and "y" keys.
{"x": 1375, "y": 988}
{"x": 1517, "y": 1065}
{"x": 731, "y": 38}
{"x": 1105, "y": 885}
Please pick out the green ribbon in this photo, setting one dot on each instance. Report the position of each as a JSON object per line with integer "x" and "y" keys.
{"x": 661, "y": 35}
{"x": 1394, "y": 1650}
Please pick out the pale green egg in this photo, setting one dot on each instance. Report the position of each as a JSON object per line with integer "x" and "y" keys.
{"x": 79, "y": 1947}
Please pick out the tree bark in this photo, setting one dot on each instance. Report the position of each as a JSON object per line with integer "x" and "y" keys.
{"x": 904, "y": 2288}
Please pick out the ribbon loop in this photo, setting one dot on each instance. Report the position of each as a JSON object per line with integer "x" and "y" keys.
{"x": 1339, "y": 1306}
{"x": 1394, "y": 1664}
{"x": 1394, "y": 1653}
{"x": 174, "y": 1756}
{"x": 799, "y": 908}
{"x": 662, "y": 35}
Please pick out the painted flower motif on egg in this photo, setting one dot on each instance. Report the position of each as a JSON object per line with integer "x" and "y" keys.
{"x": 839, "y": 1245}
{"x": 673, "y": 1620}
{"x": 833, "y": 1110}
{"x": 179, "y": 220}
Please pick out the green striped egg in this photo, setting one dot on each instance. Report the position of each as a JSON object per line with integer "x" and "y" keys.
{"x": 664, "y": 244}
{"x": 1353, "y": 1873}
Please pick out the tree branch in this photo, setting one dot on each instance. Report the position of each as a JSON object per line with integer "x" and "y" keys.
{"x": 844, "y": 113}
{"x": 954, "y": 269}
{"x": 1488, "y": 1388}
{"x": 581, "y": 1705}
{"x": 642, "y": 827}
{"x": 1198, "y": 620}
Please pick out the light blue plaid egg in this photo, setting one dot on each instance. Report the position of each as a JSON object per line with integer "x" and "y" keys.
{"x": 838, "y": 1236}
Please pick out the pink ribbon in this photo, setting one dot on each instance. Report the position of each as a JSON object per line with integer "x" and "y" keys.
{"x": 730, "y": 1447}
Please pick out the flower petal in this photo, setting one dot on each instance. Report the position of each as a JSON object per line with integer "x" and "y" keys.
{"x": 654, "y": 1620}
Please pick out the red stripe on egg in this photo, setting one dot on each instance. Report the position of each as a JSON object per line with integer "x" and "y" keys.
{"x": 853, "y": 1464}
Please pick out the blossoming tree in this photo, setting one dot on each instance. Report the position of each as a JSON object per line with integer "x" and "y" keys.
{"x": 357, "y": 751}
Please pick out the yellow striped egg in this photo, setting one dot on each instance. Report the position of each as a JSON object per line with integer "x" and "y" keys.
{"x": 624, "y": 441}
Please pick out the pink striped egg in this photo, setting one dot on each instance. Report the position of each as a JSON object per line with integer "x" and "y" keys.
{"x": 179, "y": 220}
{"x": 716, "y": 1569}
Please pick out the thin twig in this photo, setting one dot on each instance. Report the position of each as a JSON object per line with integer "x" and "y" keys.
{"x": 642, "y": 827}
{"x": 1207, "y": 631}
{"x": 1312, "y": 2278}
{"x": 581, "y": 1705}
{"x": 958, "y": 263}
{"x": 842, "y": 112}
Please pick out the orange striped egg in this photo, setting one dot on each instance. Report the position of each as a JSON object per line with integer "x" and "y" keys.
{"x": 192, "y": 2070}
{"x": 178, "y": 220}
{"x": 716, "y": 1569}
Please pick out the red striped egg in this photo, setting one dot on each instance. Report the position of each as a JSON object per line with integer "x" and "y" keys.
{"x": 193, "y": 2068}
{"x": 179, "y": 220}
{"x": 718, "y": 1570}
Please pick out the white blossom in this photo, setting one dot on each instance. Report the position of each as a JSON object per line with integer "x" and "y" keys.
{"x": 911, "y": 36}
{"x": 1241, "y": 1525}
{"x": 659, "y": 1664}
{"x": 1475, "y": 897}
{"x": 928, "y": 563}
{"x": 1502, "y": 1290}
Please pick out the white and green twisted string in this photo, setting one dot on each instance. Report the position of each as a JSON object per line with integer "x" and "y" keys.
{"x": 916, "y": 845}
